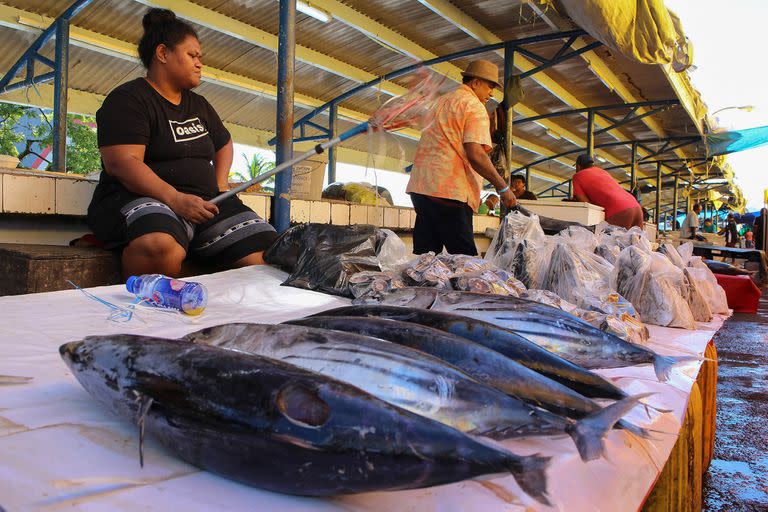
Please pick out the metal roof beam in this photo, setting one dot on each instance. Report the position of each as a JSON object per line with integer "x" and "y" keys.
{"x": 389, "y": 37}
{"x": 474, "y": 29}
{"x": 219, "y": 22}
{"x": 600, "y": 69}
{"x": 87, "y": 103}
{"x": 22, "y": 20}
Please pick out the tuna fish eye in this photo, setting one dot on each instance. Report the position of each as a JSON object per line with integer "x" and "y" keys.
{"x": 302, "y": 406}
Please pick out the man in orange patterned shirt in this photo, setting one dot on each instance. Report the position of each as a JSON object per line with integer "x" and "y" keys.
{"x": 450, "y": 164}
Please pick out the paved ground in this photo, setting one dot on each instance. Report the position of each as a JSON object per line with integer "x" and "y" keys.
{"x": 738, "y": 477}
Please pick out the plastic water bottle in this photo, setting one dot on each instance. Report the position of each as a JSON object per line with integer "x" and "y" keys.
{"x": 164, "y": 292}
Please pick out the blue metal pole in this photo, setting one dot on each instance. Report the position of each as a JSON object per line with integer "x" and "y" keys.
{"x": 286, "y": 65}
{"x": 591, "y": 133}
{"x": 332, "y": 125}
{"x": 60, "y": 83}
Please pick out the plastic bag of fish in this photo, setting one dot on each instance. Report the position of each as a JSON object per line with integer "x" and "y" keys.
{"x": 514, "y": 229}
{"x": 576, "y": 275}
{"x": 706, "y": 279}
{"x": 654, "y": 286}
{"x": 621, "y": 319}
{"x": 323, "y": 257}
{"x": 495, "y": 281}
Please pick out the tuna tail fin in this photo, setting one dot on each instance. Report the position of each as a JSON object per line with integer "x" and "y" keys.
{"x": 663, "y": 365}
{"x": 530, "y": 475}
{"x": 588, "y": 432}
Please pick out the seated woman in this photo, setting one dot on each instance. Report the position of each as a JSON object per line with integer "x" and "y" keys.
{"x": 165, "y": 153}
{"x": 594, "y": 185}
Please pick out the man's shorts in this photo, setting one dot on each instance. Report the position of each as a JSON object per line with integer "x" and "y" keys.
{"x": 442, "y": 223}
{"x": 235, "y": 232}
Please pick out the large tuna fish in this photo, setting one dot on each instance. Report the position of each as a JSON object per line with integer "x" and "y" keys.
{"x": 553, "y": 329}
{"x": 477, "y": 361}
{"x": 496, "y": 338}
{"x": 413, "y": 380}
{"x": 273, "y": 425}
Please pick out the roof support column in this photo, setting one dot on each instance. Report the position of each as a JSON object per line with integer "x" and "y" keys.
{"x": 527, "y": 178}
{"x": 286, "y": 65}
{"x": 633, "y": 168}
{"x": 591, "y": 134}
{"x": 675, "y": 200}
{"x": 60, "y": 88}
{"x": 509, "y": 63}
{"x": 333, "y": 117}
{"x": 657, "y": 213}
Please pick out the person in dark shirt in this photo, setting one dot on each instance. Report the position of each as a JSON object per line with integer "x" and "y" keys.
{"x": 730, "y": 231}
{"x": 165, "y": 154}
{"x": 518, "y": 187}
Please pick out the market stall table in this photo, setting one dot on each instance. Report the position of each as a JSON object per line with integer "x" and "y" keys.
{"x": 60, "y": 449}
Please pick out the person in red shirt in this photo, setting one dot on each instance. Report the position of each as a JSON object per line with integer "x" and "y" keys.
{"x": 594, "y": 185}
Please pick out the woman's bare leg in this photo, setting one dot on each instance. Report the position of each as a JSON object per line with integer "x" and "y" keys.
{"x": 153, "y": 253}
{"x": 255, "y": 258}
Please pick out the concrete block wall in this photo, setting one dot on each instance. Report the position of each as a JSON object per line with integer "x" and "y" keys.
{"x": 40, "y": 195}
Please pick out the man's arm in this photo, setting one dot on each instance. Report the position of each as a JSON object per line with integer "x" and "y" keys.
{"x": 483, "y": 166}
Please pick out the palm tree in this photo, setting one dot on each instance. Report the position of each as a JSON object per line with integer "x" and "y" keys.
{"x": 254, "y": 167}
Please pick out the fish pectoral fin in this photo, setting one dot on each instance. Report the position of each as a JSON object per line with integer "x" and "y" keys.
{"x": 144, "y": 403}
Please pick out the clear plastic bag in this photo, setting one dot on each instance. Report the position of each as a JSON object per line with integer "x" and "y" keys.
{"x": 550, "y": 299}
{"x": 393, "y": 253}
{"x": 654, "y": 290}
{"x": 497, "y": 282}
{"x": 462, "y": 263}
{"x": 670, "y": 252}
{"x": 427, "y": 270}
{"x": 372, "y": 284}
{"x": 575, "y": 274}
{"x": 708, "y": 285}
{"x": 514, "y": 227}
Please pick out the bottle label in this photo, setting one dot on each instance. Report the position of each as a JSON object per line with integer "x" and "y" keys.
{"x": 167, "y": 293}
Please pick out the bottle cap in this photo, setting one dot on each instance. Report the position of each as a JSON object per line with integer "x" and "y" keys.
{"x": 129, "y": 283}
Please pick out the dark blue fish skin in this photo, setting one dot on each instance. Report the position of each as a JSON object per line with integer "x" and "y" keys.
{"x": 477, "y": 361}
{"x": 496, "y": 338}
{"x": 275, "y": 426}
{"x": 552, "y": 329}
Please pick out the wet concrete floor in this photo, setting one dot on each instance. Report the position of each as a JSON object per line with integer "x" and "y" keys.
{"x": 738, "y": 477}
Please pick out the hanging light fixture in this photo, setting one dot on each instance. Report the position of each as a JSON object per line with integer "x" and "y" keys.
{"x": 313, "y": 11}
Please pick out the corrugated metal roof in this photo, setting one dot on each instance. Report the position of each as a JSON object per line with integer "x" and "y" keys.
{"x": 121, "y": 19}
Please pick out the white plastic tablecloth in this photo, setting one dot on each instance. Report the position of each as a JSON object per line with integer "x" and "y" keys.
{"x": 61, "y": 450}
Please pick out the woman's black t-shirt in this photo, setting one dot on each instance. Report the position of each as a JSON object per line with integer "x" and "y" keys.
{"x": 180, "y": 140}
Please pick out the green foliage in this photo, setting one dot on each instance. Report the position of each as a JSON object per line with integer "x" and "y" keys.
{"x": 82, "y": 148}
{"x": 254, "y": 167}
{"x": 9, "y": 137}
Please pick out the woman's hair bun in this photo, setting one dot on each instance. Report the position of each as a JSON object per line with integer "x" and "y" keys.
{"x": 156, "y": 17}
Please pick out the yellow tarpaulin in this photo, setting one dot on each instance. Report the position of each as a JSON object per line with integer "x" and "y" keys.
{"x": 642, "y": 30}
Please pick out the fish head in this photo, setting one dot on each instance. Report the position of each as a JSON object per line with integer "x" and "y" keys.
{"x": 414, "y": 297}
{"x": 218, "y": 335}
{"x": 100, "y": 364}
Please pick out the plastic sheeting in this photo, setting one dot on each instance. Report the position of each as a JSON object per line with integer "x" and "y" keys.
{"x": 641, "y": 30}
{"x": 62, "y": 450}
{"x": 722, "y": 143}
